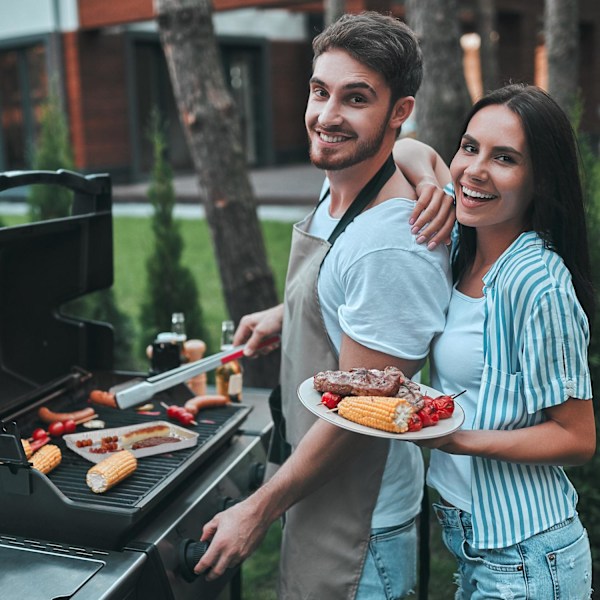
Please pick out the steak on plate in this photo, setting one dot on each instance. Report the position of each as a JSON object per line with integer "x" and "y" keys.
{"x": 360, "y": 382}
{"x": 411, "y": 392}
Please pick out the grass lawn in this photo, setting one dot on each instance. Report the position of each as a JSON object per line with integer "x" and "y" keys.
{"x": 133, "y": 242}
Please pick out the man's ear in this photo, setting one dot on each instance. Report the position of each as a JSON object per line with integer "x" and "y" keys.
{"x": 401, "y": 111}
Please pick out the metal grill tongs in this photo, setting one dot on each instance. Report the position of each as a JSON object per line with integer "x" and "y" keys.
{"x": 135, "y": 391}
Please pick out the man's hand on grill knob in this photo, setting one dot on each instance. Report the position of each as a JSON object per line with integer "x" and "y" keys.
{"x": 234, "y": 535}
{"x": 255, "y": 327}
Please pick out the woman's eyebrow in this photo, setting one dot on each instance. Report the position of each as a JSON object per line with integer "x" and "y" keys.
{"x": 507, "y": 149}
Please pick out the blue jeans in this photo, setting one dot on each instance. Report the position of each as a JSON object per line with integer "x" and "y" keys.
{"x": 555, "y": 564}
{"x": 390, "y": 570}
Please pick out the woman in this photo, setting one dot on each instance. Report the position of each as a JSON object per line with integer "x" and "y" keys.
{"x": 516, "y": 339}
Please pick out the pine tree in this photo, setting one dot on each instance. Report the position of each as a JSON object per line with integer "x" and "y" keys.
{"x": 170, "y": 285}
{"x": 52, "y": 152}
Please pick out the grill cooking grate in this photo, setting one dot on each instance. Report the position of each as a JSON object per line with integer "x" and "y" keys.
{"x": 152, "y": 471}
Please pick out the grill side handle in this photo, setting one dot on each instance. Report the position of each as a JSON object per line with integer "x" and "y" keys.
{"x": 15, "y": 471}
{"x": 92, "y": 193}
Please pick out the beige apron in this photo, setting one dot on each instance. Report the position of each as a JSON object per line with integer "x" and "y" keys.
{"x": 326, "y": 535}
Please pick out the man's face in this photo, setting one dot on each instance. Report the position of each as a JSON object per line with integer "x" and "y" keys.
{"x": 348, "y": 113}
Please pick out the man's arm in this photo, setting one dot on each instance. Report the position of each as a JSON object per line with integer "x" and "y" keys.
{"x": 433, "y": 215}
{"x": 237, "y": 532}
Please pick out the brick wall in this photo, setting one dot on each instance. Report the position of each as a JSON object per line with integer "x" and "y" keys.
{"x": 97, "y": 99}
{"x": 100, "y": 13}
{"x": 290, "y": 72}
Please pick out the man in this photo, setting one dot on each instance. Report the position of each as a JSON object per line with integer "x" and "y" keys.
{"x": 370, "y": 297}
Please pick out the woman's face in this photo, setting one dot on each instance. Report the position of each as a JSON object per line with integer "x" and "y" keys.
{"x": 492, "y": 174}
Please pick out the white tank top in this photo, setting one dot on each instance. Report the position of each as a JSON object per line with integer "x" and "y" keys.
{"x": 456, "y": 365}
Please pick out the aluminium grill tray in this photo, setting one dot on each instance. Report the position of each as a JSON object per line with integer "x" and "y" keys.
{"x": 61, "y": 507}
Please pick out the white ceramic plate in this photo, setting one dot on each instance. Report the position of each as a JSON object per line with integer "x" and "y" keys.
{"x": 182, "y": 438}
{"x": 312, "y": 400}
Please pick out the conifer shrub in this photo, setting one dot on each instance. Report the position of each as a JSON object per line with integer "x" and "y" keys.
{"x": 51, "y": 152}
{"x": 170, "y": 285}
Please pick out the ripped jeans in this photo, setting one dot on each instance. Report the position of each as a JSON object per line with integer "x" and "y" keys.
{"x": 555, "y": 564}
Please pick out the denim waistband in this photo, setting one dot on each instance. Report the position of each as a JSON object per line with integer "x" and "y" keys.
{"x": 452, "y": 516}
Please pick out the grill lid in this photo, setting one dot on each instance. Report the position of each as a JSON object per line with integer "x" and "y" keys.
{"x": 43, "y": 265}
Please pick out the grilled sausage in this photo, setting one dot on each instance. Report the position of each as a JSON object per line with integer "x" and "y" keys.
{"x": 46, "y": 415}
{"x": 104, "y": 398}
{"x": 196, "y": 404}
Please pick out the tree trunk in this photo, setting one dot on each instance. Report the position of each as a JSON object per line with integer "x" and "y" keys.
{"x": 488, "y": 52}
{"x": 443, "y": 100}
{"x": 333, "y": 9}
{"x": 561, "y": 29}
{"x": 213, "y": 132}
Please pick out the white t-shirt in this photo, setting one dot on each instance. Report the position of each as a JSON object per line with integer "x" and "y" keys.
{"x": 390, "y": 294}
{"x": 457, "y": 365}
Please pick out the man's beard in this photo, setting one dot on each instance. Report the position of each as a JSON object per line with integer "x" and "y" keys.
{"x": 336, "y": 160}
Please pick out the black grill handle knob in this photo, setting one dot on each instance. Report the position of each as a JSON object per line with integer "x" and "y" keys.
{"x": 190, "y": 552}
{"x": 257, "y": 475}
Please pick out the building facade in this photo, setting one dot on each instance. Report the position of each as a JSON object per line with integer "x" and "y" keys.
{"x": 106, "y": 61}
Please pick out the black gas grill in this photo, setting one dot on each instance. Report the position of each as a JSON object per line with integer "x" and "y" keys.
{"x": 57, "y": 538}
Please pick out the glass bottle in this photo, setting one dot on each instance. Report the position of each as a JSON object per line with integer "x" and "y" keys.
{"x": 178, "y": 324}
{"x": 179, "y": 335}
{"x": 228, "y": 377}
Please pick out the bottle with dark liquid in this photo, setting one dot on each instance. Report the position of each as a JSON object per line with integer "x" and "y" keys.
{"x": 228, "y": 377}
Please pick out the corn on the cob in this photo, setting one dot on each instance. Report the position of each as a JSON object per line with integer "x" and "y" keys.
{"x": 385, "y": 413}
{"x": 26, "y": 448}
{"x": 110, "y": 471}
{"x": 46, "y": 458}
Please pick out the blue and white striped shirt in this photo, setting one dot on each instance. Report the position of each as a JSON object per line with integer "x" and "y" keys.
{"x": 535, "y": 343}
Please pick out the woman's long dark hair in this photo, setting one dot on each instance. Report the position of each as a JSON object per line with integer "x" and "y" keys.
{"x": 557, "y": 208}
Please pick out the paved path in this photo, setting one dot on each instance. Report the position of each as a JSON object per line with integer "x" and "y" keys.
{"x": 282, "y": 194}
{"x": 285, "y": 185}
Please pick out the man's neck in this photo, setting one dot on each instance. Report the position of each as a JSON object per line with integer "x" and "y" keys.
{"x": 345, "y": 184}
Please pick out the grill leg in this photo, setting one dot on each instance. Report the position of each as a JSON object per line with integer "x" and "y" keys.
{"x": 235, "y": 586}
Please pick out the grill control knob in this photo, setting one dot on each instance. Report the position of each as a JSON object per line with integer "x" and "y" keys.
{"x": 190, "y": 552}
{"x": 257, "y": 475}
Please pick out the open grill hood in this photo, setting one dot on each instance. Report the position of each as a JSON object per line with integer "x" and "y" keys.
{"x": 43, "y": 265}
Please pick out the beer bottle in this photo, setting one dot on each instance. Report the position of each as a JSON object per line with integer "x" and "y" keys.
{"x": 228, "y": 377}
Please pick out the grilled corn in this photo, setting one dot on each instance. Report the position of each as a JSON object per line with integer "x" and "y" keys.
{"x": 379, "y": 412}
{"x": 26, "y": 448}
{"x": 48, "y": 457}
{"x": 110, "y": 471}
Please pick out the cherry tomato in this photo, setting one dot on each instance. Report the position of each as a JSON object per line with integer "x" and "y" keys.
{"x": 173, "y": 411}
{"x": 444, "y": 406}
{"x": 186, "y": 418}
{"x": 428, "y": 413}
{"x": 415, "y": 423}
{"x": 69, "y": 425}
{"x": 330, "y": 400}
{"x": 39, "y": 434}
{"x": 56, "y": 429}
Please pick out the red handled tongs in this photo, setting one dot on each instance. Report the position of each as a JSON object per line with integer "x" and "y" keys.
{"x": 133, "y": 392}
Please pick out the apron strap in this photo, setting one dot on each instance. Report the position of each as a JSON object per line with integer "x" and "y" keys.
{"x": 364, "y": 198}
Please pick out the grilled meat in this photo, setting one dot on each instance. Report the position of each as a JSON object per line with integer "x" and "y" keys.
{"x": 411, "y": 392}
{"x": 360, "y": 382}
